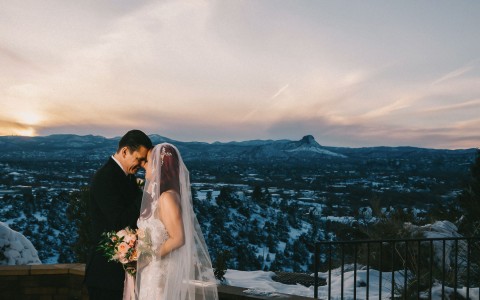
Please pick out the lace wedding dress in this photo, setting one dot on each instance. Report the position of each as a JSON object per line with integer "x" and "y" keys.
{"x": 153, "y": 275}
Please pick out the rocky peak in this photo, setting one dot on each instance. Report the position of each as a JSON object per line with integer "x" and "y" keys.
{"x": 309, "y": 140}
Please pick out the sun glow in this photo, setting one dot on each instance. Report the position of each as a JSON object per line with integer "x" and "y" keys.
{"x": 22, "y": 123}
{"x": 25, "y": 131}
{"x": 28, "y": 117}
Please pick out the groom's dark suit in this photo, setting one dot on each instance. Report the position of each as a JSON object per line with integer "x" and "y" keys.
{"x": 115, "y": 200}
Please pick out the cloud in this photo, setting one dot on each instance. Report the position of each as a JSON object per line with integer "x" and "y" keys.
{"x": 13, "y": 124}
{"x": 452, "y": 75}
{"x": 388, "y": 109}
{"x": 15, "y": 128}
{"x": 10, "y": 55}
{"x": 471, "y": 104}
{"x": 328, "y": 132}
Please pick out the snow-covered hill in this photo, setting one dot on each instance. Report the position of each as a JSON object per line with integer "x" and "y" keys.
{"x": 15, "y": 249}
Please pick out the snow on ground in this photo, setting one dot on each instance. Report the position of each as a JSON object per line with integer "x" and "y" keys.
{"x": 15, "y": 248}
{"x": 260, "y": 283}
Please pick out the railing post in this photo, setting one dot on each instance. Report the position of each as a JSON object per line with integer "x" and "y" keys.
{"x": 444, "y": 268}
{"x": 329, "y": 271}
{"x": 368, "y": 271}
{"x": 317, "y": 251}
{"x": 405, "y": 270}
{"x": 468, "y": 267}
{"x": 355, "y": 271}
{"x": 392, "y": 247}
{"x": 432, "y": 258}
{"x": 342, "y": 271}
{"x": 380, "y": 267}
{"x": 455, "y": 284}
{"x": 418, "y": 267}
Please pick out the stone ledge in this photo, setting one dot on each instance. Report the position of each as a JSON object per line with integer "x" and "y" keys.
{"x": 46, "y": 282}
{"x": 25, "y": 270}
{"x": 14, "y": 270}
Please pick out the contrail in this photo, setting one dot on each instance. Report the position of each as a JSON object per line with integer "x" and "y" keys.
{"x": 271, "y": 98}
{"x": 452, "y": 75}
{"x": 280, "y": 91}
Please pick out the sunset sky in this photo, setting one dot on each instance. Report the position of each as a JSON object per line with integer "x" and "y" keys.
{"x": 350, "y": 73}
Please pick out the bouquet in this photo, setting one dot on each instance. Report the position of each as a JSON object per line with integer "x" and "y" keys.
{"x": 121, "y": 246}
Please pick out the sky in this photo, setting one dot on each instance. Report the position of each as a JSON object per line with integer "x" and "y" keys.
{"x": 350, "y": 73}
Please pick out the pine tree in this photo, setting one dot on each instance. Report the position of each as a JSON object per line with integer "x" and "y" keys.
{"x": 221, "y": 264}
{"x": 257, "y": 196}
{"x": 226, "y": 197}
{"x": 208, "y": 196}
{"x": 77, "y": 213}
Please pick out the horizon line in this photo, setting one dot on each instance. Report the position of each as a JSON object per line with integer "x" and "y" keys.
{"x": 234, "y": 141}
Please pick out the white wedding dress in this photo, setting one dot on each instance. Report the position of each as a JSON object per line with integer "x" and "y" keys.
{"x": 154, "y": 274}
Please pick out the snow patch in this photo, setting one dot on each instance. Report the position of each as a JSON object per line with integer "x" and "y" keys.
{"x": 316, "y": 150}
{"x": 15, "y": 248}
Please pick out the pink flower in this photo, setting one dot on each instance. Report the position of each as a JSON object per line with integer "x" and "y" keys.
{"x": 134, "y": 255}
{"x": 123, "y": 248}
{"x": 129, "y": 238}
{"x": 122, "y": 233}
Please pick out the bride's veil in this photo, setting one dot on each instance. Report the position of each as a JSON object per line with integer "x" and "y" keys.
{"x": 189, "y": 272}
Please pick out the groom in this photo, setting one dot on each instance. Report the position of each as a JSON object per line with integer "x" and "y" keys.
{"x": 114, "y": 204}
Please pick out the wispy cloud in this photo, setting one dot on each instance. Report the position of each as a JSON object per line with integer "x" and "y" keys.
{"x": 455, "y": 106}
{"x": 16, "y": 128}
{"x": 387, "y": 109}
{"x": 16, "y": 61}
{"x": 452, "y": 75}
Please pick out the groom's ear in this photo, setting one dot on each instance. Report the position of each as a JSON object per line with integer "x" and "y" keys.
{"x": 124, "y": 151}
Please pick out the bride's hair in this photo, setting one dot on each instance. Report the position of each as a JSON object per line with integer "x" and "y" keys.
{"x": 169, "y": 178}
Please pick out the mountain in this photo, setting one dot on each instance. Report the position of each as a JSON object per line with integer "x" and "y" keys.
{"x": 69, "y": 146}
{"x": 308, "y": 145}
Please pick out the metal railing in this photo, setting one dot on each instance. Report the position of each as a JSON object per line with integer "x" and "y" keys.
{"x": 406, "y": 268}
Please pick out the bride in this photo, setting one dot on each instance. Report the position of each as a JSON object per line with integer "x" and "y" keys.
{"x": 173, "y": 260}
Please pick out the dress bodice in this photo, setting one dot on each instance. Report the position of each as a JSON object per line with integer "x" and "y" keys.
{"x": 155, "y": 271}
{"x": 155, "y": 232}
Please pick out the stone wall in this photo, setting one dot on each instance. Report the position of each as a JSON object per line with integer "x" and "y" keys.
{"x": 45, "y": 282}
{"x": 65, "y": 281}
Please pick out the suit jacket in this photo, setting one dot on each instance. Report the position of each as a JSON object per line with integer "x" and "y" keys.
{"x": 115, "y": 200}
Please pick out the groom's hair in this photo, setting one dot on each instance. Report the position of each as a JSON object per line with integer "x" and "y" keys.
{"x": 134, "y": 139}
